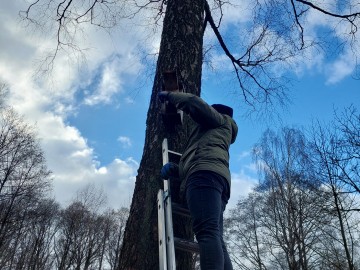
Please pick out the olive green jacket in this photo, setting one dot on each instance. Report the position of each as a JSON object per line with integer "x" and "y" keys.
{"x": 207, "y": 147}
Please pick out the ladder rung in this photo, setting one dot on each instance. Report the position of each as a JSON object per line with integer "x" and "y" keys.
{"x": 185, "y": 245}
{"x": 180, "y": 210}
{"x": 175, "y": 153}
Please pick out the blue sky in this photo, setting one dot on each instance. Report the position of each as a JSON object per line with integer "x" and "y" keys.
{"x": 90, "y": 114}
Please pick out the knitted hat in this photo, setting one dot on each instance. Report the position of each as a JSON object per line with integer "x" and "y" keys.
{"x": 223, "y": 109}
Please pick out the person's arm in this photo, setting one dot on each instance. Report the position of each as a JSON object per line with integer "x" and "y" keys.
{"x": 197, "y": 108}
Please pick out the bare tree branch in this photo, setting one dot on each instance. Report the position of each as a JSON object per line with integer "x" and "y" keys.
{"x": 299, "y": 24}
{"x": 351, "y": 16}
{"x": 249, "y": 64}
{"x": 64, "y": 19}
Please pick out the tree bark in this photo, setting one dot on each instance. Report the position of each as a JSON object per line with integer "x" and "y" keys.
{"x": 180, "y": 49}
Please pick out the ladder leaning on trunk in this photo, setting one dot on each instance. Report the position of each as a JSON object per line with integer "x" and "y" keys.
{"x": 167, "y": 241}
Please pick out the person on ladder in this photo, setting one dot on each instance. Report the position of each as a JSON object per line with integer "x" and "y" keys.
{"x": 204, "y": 173}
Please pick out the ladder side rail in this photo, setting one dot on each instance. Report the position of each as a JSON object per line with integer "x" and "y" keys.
{"x": 161, "y": 231}
{"x": 165, "y": 158}
{"x": 170, "y": 245}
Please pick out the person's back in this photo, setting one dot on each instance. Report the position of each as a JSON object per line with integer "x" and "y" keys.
{"x": 204, "y": 172}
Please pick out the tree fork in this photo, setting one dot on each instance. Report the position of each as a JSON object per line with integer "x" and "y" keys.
{"x": 181, "y": 49}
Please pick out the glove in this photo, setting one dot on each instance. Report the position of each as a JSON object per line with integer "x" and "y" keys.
{"x": 163, "y": 96}
{"x": 170, "y": 170}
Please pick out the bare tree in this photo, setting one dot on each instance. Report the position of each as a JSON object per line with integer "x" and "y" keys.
{"x": 245, "y": 234}
{"x": 72, "y": 239}
{"x": 116, "y": 228}
{"x": 347, "y": 159}
{"x": 24, "y": 179}
{"x": 82, "y": 232}
{"x": 301, "y": 215}
{"x": 332, "y": 163}
{"x": 3, "y": 91}
{"x": 292, "y": 214}
{"x": 275, "y": 35}
{"x": 86, "y": 237}
{"x": 35, "y": 243}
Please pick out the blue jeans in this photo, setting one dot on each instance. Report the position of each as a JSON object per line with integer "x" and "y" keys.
{"x": 207, "y": 194}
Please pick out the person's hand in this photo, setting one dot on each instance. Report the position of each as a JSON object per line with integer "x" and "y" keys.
{"x": 163, "y": 96}
{"x": 170, "y": 170}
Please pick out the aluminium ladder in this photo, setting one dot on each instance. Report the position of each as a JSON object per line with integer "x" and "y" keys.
{"x": 167, "y": 241}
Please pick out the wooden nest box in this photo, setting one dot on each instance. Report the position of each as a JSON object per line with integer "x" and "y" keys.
{"x": 170, "y": 114}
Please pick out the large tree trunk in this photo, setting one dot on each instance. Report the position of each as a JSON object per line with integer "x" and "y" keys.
{"x": 181, "y": 47}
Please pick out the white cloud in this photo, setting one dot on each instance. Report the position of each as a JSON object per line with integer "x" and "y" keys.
{"x": 340, "y": 68}
{"x": 111, "y": 79}
{"x": 129, "y": 100}
{"x": 74, "y": 165}
{"x": 125, "y": 141}
{"x": 110, "y": 84}
{"x": 47, "y": 101}
{"x": 345, "y": 62}
{"x": 117, "y": 181}
{"x": 234, "y": 13}
{"x": 241, "y": 185}
{"x": 315, "y": 18}
{"x": 244, "y": 154}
